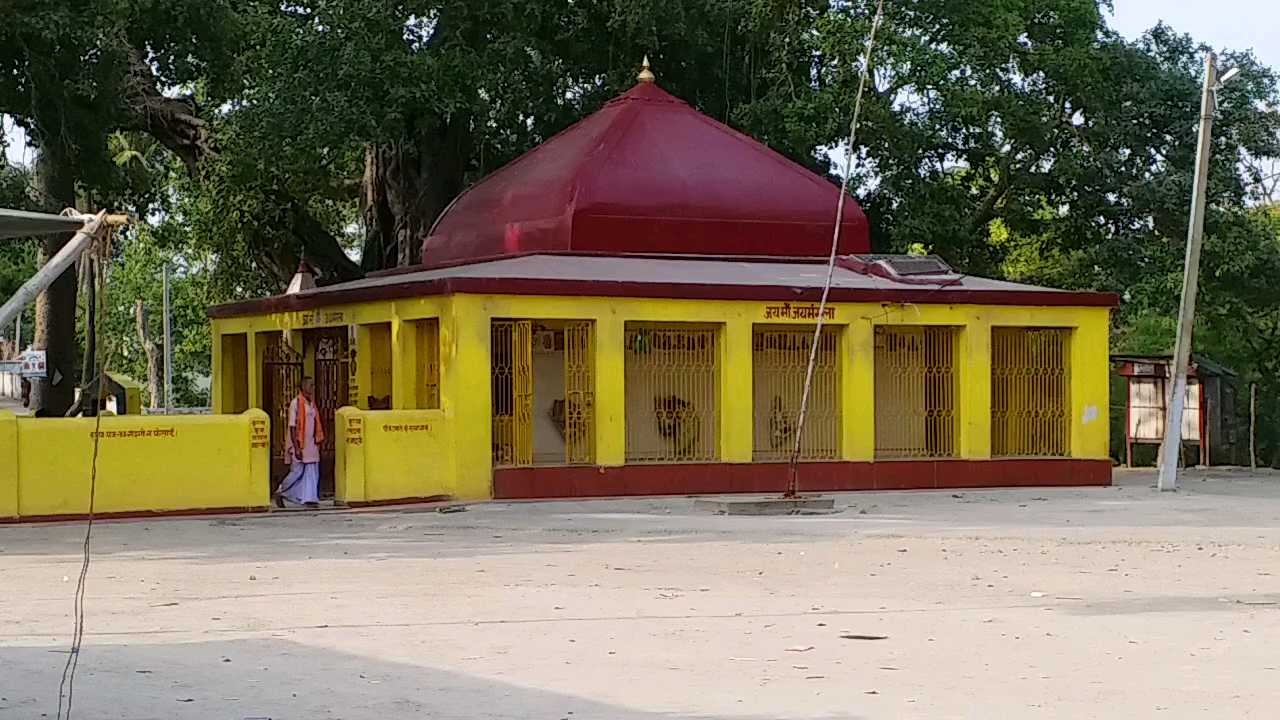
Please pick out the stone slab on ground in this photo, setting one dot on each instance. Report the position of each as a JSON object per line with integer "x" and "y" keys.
{"x": 775, "y": 505}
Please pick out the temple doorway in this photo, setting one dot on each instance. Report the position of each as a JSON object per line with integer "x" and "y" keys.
{"x": 543, "y": 393}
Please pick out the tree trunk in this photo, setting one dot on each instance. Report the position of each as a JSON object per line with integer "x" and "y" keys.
{"x": 406, "y": 185}
{"x": 90, "y": 403}
{"x": 89, "y": 365}
{"x": 53, "y": 395}
{"x": 152, "y": 353}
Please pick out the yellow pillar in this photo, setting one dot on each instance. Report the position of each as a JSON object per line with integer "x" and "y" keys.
{"x": 259, "y": 477}
{"x": 255, "y": 343}
{"x": 736, "y": 390}
{"x": 859, "y": 392}
{"x": 1089, "y": 372}
{"x": 975, "y": 388}
{"x": 218, "y": 371}
{"x": 404, "y": 363}
{"x": 466, "y": 395}
{"x": 348, "y": 457}
{"x": 9, "y": 464}
{"x": 610, "y": 390}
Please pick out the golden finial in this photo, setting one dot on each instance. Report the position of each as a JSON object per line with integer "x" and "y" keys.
{"x": 646, "y": 75}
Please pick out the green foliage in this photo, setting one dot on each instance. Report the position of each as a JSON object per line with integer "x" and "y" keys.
{"x": 1021, "y": 139}
{"x": 18, "y": 257}
{"x": 137, "y": 275}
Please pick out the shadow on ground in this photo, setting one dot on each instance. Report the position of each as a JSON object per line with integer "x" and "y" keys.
{"x": 257, "y": 679}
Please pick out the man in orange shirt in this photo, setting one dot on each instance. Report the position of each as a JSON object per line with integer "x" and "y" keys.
{"x": 306, "y": 433}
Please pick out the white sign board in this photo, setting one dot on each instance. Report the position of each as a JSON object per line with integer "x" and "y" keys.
{"x": 33, "y": 364}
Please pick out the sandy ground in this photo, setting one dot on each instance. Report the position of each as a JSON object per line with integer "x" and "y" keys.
{"x": 1101, "y": 603}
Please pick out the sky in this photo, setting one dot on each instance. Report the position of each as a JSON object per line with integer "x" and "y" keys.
{"x": 1231, "y": 24}
{"x": 1234, "y": 24}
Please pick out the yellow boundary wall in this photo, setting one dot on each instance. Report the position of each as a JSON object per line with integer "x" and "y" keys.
{"x": 388, "y": 455}
{"x": 463, "y": 447}
{"x": 146, "y": 464}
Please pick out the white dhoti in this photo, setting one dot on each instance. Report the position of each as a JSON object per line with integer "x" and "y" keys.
{"x": 302, "y": 484}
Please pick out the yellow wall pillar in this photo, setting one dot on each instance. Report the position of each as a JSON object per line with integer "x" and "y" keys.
{"x": 610, "y": 390}
{"x": 217, "y": 371}
{"x": 466, "y": 394}
{"x": 9, "y": 464}
{"x": 256, "y": 344}
{"x": 736, "y": 390}
{"x": 348, "y": 461}
{"x": 859, "y": 392}
{"x": 404, "y": 364}
{"x": 975, "y": 388}
{"x": 1090, "y": 372}
{"x": 259, "y": 456}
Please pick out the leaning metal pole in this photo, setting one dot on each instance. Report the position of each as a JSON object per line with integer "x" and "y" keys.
{"x": 793, "y": 466}
{"x": 1169, "y": 450}
{"x": 51, "y": 270}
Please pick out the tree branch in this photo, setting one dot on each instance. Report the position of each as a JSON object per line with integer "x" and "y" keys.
{"x": 172, "y": 121}
{"x": 986, "y": 209}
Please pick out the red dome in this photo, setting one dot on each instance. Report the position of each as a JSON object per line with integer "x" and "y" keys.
{"x": 646, "y": 174}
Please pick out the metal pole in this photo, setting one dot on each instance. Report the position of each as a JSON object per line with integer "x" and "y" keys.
{"x": 168, "y": 347}
{"x": 17, "y": 332}
{"x": 52, "y": 270}
{"x": 1169, "y": 451}
{"x": 1253, "y": 426}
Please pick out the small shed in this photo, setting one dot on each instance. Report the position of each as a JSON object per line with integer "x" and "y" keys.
{"x": 123, "y": 395}
{"x": 1208, "y": 412}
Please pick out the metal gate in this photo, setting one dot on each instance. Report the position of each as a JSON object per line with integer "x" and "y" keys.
{"x": 579, "y": 394}
{"x": 1030, "y": 392}
{"x": 281, "y": 379}
{"x": 332, "y": 392}
{"x": 916, "y": 391}
{"x": 512, "y": 383}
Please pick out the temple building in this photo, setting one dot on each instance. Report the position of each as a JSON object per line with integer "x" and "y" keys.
{"x": 629, "y": 308}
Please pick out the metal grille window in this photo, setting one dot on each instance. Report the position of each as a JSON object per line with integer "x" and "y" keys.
{"x": 672, "y": 410}
{"x": 543, "y": 380}
{"x": 429, "y": 364}
{"x": 915, "y": 391}
{"x": 331, "y": 377}
{"x": 281, "y": 381}
{"x": 512, "y": 385}
{"x": 579, "y": 394}
{"x": 780, "y": 358}
{"x": 1030, "y": 392}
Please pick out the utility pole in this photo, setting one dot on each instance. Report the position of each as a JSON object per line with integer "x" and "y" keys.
{"x": 1253, "y": 426}
{"x": 1169, "y": 450}
{"x": 168, "y": 347}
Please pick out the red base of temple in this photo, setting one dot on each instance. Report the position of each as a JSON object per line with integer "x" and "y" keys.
{"x": 716, "y": 478}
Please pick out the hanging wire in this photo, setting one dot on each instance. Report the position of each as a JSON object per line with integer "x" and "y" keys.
{"x": 793, "y": 480}
{"x": 97, "y": 258}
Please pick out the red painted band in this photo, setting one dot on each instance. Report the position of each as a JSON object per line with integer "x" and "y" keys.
{"x": 719, "y": 478}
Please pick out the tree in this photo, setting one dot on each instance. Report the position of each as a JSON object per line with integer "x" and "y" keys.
{"x": 373, "y": 116}
{"x": 72, "y": 74}
{"x": 1025, "y": 126}
{"x": 134, "y": 302}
